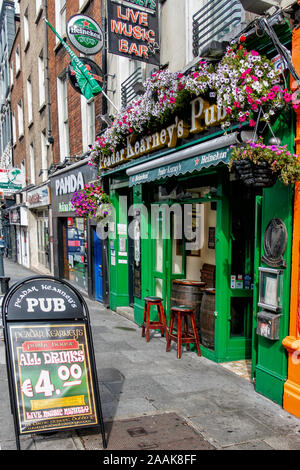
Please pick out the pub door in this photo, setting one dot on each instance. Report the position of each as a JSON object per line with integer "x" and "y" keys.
{"x": 168, "y": 262}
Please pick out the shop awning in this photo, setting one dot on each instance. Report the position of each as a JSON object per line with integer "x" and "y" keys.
{"x": 181, "y": 167}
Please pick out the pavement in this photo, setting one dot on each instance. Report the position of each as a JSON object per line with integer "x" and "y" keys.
{"x": 152, "y": 400}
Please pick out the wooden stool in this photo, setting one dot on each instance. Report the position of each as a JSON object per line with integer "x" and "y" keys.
{"x": 154, "y": 325}
{"x": 183, "y": 312}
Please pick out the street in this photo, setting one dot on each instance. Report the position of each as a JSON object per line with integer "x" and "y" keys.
{"x": 152, "y": 400}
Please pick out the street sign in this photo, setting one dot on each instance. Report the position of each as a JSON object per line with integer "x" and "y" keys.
{"x": 85, "y": 34}
{"x": 50, "y": 358}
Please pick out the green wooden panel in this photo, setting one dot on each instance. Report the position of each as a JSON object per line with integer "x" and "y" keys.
{"x": 271, "y": 368}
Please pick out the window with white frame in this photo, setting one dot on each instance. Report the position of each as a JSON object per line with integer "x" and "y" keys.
{"x": 11, "y": 70}
{"x": 44, "y": 156}
{"x": 20, "y": 119}
{"x": 26, "y": 28}
{"x": 38, "y": 6}
{"x": 63, "y": 117}
{"x": 60, "y": 17}
{"x": 14, "y": 132}
{"x": 17, "y": 55}
{"x": 41, "y": 70}
{"x": 29, "y": 100}
{"x": 87, "y": 122}
{"x": 32, "y": 164}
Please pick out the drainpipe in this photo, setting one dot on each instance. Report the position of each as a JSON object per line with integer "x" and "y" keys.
{"x": 291, "y": 395}
{"x": 47, "y": 78}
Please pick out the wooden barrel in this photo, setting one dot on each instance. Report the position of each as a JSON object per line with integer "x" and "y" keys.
{"x": 186, "y": 292}
{"x": 207, "y": 318}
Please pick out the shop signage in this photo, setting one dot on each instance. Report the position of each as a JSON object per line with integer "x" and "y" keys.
{"x": 69, "y": 184}
{"x": 182, "y": 167}
{"x": 65, "y": 183}
{"x": 133, "y": 29}
{"x": 14, "y": 216}
{"x": 38, "y": 197}
{"x": 93, "y": 69}
{"x": 11, "y": 180}
{"x": 203, "y": 116}
{"x": 85, "y": 34}
{"x": 50, "y": 362}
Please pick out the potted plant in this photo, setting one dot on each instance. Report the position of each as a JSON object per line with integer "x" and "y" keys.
{"x": 259, "y": 165}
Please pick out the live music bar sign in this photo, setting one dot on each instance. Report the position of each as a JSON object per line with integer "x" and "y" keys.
{"x": 133, "y": 29}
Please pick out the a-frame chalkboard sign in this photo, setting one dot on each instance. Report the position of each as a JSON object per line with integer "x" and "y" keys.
{"x": 50, "y": 358}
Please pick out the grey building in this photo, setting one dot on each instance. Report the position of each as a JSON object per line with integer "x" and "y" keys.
{"x": 7, "y": 34}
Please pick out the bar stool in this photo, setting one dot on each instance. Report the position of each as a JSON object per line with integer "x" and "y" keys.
{"x": 183, "y": 312}
{"x": 154, "y": 325}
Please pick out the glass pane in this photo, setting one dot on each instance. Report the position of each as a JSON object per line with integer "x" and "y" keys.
{"x": 177, "y": 257}
{"x": 240, "y": 317}
{"x": 158, "y": 287}
{"x": 159, "y": 249}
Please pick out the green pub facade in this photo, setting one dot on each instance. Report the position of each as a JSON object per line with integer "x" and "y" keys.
{"x": 178, "y": 176}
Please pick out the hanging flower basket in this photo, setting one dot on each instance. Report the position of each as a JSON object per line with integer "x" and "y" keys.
{"x": 258, "y": 175}
{"x": 260, "y": 165}
{"x": 103, "y": 211}
{"x": 91, "y": 202}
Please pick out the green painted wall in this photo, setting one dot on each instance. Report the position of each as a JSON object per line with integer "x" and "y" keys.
{"x": 277, "y": 202}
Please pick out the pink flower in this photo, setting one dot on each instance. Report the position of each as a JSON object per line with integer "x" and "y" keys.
{"x": 242, "y": 118}
{"x": 254, "y": 53}
{"x": 195, "y": 74}
{"x": 254, "y": 78}
{"x": 252, "y": 123}
{"x": 249, "y": 90}
{"x": 287, "y": 97}
{"x": 236, "y": 104}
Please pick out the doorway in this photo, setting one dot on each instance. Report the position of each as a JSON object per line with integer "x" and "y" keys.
{"x": 98, "y": 267}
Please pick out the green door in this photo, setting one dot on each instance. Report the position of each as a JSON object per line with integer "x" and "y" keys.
{"x": 168, "y": 252}
{"x": 242, "y": 235}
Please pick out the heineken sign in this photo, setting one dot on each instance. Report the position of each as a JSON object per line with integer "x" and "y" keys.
{"x": 85, "y": 34}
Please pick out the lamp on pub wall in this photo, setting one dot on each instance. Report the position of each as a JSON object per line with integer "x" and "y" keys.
{"x": 42, "y": 171}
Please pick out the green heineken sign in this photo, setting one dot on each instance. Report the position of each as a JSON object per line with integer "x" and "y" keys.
{"x": 85, "y": 34}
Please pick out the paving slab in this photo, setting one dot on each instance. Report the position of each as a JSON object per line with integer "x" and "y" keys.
{"x": 153, "y": 432}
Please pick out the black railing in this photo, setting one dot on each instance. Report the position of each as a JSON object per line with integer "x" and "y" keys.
{"x": 128, "y": 90}
{"x": 215, "y": 19}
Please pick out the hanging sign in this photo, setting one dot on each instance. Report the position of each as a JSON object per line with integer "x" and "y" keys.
{"x": 94, "y": 70}
{"x": 85, "y": 34}
{"x": 133, "y": 30}
{"x": 50, "y": 361}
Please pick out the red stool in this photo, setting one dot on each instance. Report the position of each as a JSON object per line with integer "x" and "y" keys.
{"x": 154, "y": 325}
{"x": 183, "y": 312}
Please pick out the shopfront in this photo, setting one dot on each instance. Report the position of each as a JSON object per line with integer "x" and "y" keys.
{"x": 156, "y": 199}
{"x": 39, "y": 226}
{"x": 73, "y": 236}
{"x": 18, "y": 217}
